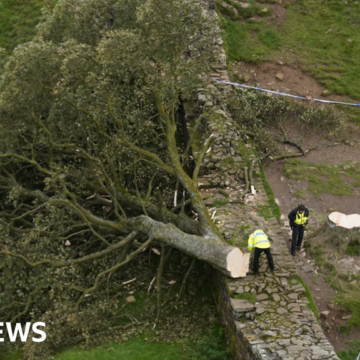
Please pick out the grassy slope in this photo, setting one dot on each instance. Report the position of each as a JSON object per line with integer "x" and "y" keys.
{"x": 18, "y": 19}
{"x": 323, "y": 34}
{"x": 325, "y": 178}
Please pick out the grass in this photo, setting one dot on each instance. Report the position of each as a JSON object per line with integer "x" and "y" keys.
{"x": 11, "y": 356}
{"x": 182, "y": 332}
{"x": 350, "y": 354}
{"x": 270, "y": 38}
{"x": 322, "y": 35}
{"x": 273, "y": 206}
{"x": 248, "y": 41}
{"x": 221, "y": 202}
{"x": 325, "y": 35}
{"x": 348, "y": 296}
{"x": 300, "y": 194}
{"x": 350, "y": 302}
{"x": 353, "y": 248}
{"x": 18, "y": 19}
{"x": 134, "y": 349}
{"x": 324, "y": 178}
{"x": 311, "y": 304}
{"x": 210, "y": 346}
{"x": 246, "y": 296}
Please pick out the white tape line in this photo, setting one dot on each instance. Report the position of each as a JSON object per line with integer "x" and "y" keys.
{"x": 284, "y": 94}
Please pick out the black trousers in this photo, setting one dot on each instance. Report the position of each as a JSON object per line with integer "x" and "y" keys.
{"x": 297, "y": 238}
{"x": 257, "y": 254}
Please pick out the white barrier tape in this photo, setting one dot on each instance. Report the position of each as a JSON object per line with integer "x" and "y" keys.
{"x": 284, "y": 94}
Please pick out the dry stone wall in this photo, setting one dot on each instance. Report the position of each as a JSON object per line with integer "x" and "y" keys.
{"x": 267, "y": 315}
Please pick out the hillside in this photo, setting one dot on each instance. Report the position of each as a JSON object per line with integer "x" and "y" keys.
{"x": 310, "y": 49}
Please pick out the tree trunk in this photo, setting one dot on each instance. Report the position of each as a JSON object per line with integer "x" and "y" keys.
{"x": 228, "y": 259}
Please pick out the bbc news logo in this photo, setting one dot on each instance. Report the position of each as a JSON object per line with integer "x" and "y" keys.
{"x": 18, "y": 331}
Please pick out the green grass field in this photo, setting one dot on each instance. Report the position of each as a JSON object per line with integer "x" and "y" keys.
{"x": 210, "y": 346}
{"x": 18, "y": 19}
{"x": 341, "y": 180}
{"x": 323, "y": 35}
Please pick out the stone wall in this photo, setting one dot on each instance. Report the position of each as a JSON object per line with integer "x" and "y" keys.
{"x": 267, "y": 315}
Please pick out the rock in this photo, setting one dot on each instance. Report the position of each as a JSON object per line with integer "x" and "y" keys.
{"x": 247, "y": 78}
{"x": 260, "y": 311}
{"x": 281, "y": 311}
{"x": 296, "y": 341}
{"x": 325, "y": 92}
{"x": 265, "y": 9}
{"x": 261, "y": 297}
{"x": 270, "y": 333}
{"x": 325, "y": 314}
{"x": 331, "y": 306}
{"x": 215, "y": 158}
{"x": 276, "y": 297}
{"x": 130, "y": 299}
{"x": 244, "y": 5}
{"x": 280, "y": 76}
{"x": 269, "y": 94}
{"x": 241, "y": 306}
{"x": 349, "y": 41}
{"x": 202, "y": 98}
{"x": 309, "y": 98}
{"x": 221, "y": 112}
{"x": 346, "y": 167}
{"x": 316, "y": 329}
{"x": 272, "y": 290}
{"x": 283, "y": 342}
{"x": 307, "y": 268}
{"x": 263, "y": 268}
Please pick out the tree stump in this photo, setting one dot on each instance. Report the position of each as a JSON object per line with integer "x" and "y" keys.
{"x": 342, "y": 229}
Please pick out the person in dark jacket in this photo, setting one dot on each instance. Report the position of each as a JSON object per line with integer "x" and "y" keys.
{"x": 298, "y": 219}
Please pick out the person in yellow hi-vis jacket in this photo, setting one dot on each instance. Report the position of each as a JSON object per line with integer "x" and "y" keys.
{"x": 259, "y": 241}
{"x": 298, "y": 219}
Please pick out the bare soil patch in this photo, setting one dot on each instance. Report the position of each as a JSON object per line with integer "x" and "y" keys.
{"x": 295, "y": 80}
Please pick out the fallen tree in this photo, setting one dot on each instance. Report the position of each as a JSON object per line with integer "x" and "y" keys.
{"x": 90, "y": 153}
